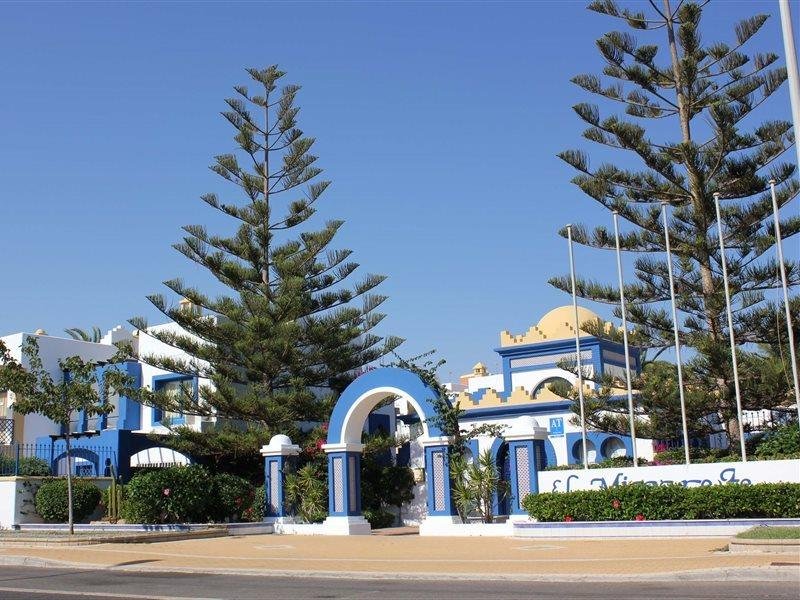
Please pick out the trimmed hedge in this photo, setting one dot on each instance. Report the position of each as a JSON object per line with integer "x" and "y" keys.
{"x": 639, "y": 501}
{"x": 51, "y": 500}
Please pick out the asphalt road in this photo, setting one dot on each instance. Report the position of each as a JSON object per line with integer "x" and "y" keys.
{"x": 32, "y": 583}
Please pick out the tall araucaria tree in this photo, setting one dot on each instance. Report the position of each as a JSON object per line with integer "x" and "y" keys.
{"x": 688, "y": 132}
{"x": 291, "y": 325}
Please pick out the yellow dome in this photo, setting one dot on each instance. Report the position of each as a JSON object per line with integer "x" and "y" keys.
{"x": 558, "y": 324}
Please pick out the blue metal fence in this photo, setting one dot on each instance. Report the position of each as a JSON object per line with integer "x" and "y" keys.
{"x": 51, "y": 460}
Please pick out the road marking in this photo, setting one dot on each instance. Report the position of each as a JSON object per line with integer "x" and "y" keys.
{"x": 538, "y": 547}
{"x": 276, "y": 547}
{"x": 100, "y": 594}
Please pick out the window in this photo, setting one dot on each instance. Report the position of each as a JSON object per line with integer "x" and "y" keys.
{"x": 6, "y": 419}
{"x": 174, "y": 386}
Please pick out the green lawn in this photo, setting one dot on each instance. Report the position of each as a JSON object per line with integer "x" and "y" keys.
{"x": 771, "y": 533}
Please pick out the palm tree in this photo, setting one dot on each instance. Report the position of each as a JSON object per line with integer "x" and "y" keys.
{"x": 76, "y": 333}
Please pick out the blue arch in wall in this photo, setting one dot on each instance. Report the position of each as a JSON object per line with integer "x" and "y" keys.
{"x": 83, "y": 453}
{"x": 361, "y": 396}
{"x": 500, "y": 502}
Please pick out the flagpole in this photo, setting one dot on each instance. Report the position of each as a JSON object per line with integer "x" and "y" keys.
{"x": 731, "y": 334}
{"x": 578, "y": 348}
{"x": 664, "y": 206}
{"x": 785, "y": 286}
{"x": 791, "y": 69}
{"x": 625, "y": 342}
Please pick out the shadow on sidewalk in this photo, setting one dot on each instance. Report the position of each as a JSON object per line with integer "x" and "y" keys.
{"x": 406, "y": 530}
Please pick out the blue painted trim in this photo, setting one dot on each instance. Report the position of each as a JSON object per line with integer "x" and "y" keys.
{"x": 130, "y": 411}
{"x": 522, "y": 409}
{"x": 499, "y": 504}
{"x": 549, "y": 347}
{"x": 406, "y": 381}
{"x": 280, "y": 501}
{"x": 449, "y": 508}
{"x": 598, "y": 438}
{"x": 84, "y": 453}
{"x": 516, "y": 498}
{"x": 550, "y": 453}
{"x": 158, "y": 382}
{"x": 348, "y": 509}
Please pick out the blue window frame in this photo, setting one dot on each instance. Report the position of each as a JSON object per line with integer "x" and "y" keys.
{"x": 168, "y": 383}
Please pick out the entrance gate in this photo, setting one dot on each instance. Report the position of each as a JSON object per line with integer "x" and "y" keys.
{"x": 523, "y": 443}
{"x": 344, "y": 446}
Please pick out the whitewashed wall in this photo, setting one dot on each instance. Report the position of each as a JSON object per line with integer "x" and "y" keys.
{"x": 17, "y": 505}
{"x": 51, "y": 350}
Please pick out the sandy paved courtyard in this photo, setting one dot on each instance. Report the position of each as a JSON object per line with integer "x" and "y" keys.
{"x": 413, "y": 554}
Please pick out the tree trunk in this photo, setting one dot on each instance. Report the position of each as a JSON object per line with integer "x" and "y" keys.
{"x": 698, "y": 195}
{"x": 265, "y": 249}
{"x": 70, "y": 519}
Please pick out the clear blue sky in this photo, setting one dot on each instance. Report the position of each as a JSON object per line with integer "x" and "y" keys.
{"x": 438, "y": 124}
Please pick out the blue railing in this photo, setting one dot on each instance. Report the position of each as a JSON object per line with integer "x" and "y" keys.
{"x": 43, "y": 460}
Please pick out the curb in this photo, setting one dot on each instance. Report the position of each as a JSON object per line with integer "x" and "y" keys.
{"x": 771, "y": 573}
{"x": 134, "y": 538}
{"x": 755, "y": 546}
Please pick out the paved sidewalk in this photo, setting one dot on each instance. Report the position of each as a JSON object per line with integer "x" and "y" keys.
{"x": 409, "y": 555}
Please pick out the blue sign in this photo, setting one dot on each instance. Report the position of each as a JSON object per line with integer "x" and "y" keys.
{"x": 556, "y": 426}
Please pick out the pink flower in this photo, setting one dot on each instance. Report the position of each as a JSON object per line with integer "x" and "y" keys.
{"x": 568, "y": 518}
{"x": 324, "y": 427}
{"x": 319, "y": 444}
{"x": 166, "y": 491}
{"x": 639, "y": 517}
{"x": 615, "y": 504}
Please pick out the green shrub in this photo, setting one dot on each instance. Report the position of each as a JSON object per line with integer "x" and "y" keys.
{"x": 676, "y": 456}
{"x": 113, "y": 510}
{"x": 255, "y": 512}
{"x": 233, "y": 496}
{"x": 29, "y": 466}
{"x": 780, "y": 442}
{"x": 170, "y": 495}
{"x": 629, "y": 502}
{"x": 51, "y": 500}
{"x": 307, "y": 493}
{"x": 379, "y": 519}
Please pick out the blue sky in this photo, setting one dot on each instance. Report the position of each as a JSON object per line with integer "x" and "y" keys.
{"x": 438, "y": 124}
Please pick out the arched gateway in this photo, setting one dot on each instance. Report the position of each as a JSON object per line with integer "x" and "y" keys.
{"x": 522, "y": 444}
{"x": 344, "y": 446}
